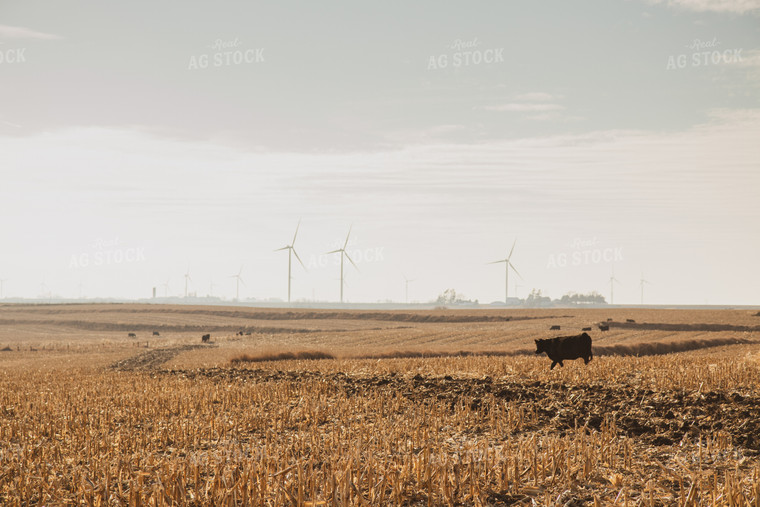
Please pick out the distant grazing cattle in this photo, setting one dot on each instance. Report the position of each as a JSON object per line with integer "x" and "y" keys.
{"x": 132, "y": 335}
{"x": 604, "y": 327}
{"x": 205, "y": 338}
{"x": 248, "y": 333}
{"x": 554, "y": 328}
{"x": 630, "y": 320}
{"x": 586, "y": 329}
{"x": 156, "y": 333}
{"x": 566, "y": 347}
{"x": 609, "y": 320}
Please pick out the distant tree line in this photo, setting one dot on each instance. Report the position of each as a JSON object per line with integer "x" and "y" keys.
{"x": 535, "y": 299}
{"x": 582, "y": 299}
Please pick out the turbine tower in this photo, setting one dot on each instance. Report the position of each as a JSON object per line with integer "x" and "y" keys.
{"x": 613, "y": 280}
{"x": 508, "y": 264}
{"x": 642, "y": 282}
{"x": 343, "y": 254}
{"x": 187, "y": 278}
{"x": 406, "y": 287}
{"x": 238, "y": 281}
{"x": 166, "y": 288}
{"x": 292, "y": 250}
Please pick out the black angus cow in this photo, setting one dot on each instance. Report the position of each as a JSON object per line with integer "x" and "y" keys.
{"x": 132, "y": 335}
{"x": 553, "y": 328}
{"x": 630, "y": 320}
{"x": 586, "y": 329}
{"x": 566, "y": 347}
{"x": 604, "y": 327}
{"x": 205, "y": 338}
{"x": 156, "y": 333}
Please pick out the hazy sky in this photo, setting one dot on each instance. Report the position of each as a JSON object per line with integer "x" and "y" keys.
{"x": 140, "y": 139}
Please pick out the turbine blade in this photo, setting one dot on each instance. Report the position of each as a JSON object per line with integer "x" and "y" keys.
{"x": 334, "y": 251}
{"x": 283, "y": 248}
{"x": 347, "y": 235}
{"x": 351, "y": 260}
{"x": 513, "y": 269}
{"x": 299, "y": 259}
{"x": 498, "y": 262}
{"x": 242, "y": 281}
{"x": 296, "y": 234}
{"x": 512, "y": 250}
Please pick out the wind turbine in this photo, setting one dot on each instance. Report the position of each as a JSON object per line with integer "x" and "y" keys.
{"x": 292, "y": 250}
{"x": 508, "y": 264}
{"x": 43, "y": 288}
{"x": 343, "y": 253}
{"x": 612, "y": 287}
{"x": 642, "y": 282}
{"x": 406, "y": 286}
{"x": 238, "y": 280}
{"x": 165, "y": 285}
{"x": 187, "y": 278}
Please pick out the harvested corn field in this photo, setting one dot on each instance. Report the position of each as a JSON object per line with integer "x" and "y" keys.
{"x": 113, "y": 420}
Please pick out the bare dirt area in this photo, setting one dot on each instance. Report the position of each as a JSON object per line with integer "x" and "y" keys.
{"x": 657, "y": 417}
{"x": 325, "y": 407}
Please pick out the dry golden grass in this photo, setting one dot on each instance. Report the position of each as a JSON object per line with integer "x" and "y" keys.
{"x": 105, "y": 420}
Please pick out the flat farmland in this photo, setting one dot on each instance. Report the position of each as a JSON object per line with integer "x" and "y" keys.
{"x": 351, "y": 407}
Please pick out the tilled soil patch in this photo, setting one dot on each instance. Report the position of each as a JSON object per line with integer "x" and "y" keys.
{"x": 656, "y": 417}
{"x": 152, "y": 359}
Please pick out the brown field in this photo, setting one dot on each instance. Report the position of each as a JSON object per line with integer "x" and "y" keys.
{"x": 324, "y": 407}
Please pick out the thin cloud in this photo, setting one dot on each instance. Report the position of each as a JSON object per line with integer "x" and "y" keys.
{"x": 734, "y": 6}
{"x": 522, "y": 107}
{"x": 22, "y": 32}
{"x": 537, "y": 97}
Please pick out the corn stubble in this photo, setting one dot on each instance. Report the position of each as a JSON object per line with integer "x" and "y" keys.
{"x": 388, "y": 432}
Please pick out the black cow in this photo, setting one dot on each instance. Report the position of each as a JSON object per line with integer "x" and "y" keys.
{"x": 132, "y": 335}
{"x": 205, "y": 338}
{"x": 604, "y": 327}
{"x": 156, "y": 333}
{"x": 609, "y": 320}
{"x": 554, "y": 328}
{"x": 566, "y": 347}
{"x": 630, "y": 320}
{"x": 586, "y": 329}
